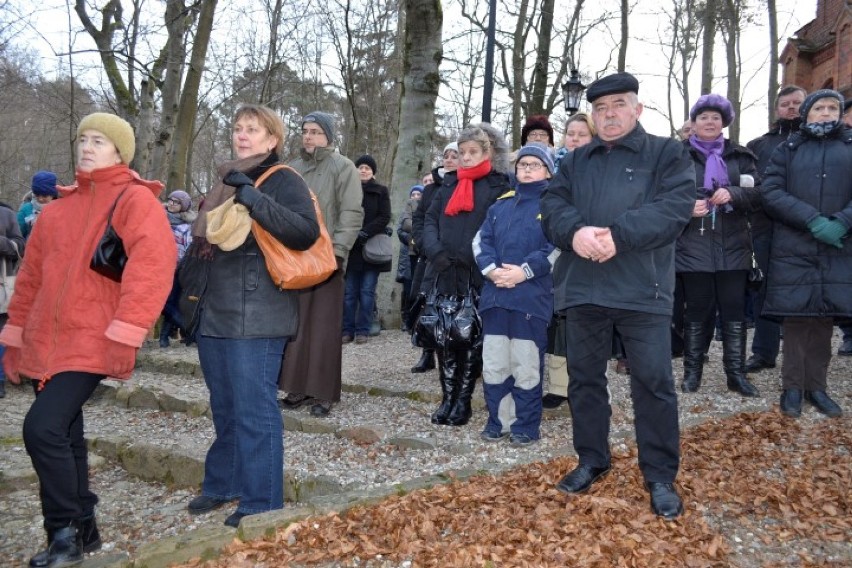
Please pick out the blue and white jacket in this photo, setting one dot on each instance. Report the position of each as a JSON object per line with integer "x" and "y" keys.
{"x": 512, "y": 234}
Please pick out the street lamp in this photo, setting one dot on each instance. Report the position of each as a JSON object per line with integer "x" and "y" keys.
{"x": 572, "y": 91}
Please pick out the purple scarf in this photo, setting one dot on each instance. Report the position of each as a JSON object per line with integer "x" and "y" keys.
{"x": 715, "y": 170}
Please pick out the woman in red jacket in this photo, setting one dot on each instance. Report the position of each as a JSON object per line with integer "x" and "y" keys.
{"x": 69, "y": 327}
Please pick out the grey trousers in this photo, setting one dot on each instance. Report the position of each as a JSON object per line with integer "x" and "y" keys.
{"x": 807, "y": 353}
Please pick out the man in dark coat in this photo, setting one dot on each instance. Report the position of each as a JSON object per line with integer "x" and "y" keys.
{"x": 615, "y": 209}
{"x": 767, "y": 333}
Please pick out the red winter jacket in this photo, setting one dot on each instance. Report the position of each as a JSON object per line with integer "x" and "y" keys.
{"x": 63, "y": 315}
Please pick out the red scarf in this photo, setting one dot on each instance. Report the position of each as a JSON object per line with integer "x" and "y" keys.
{"x": 462, "y": 197}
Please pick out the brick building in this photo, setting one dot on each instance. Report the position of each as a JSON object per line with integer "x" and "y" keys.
{"x": 820, "y": 54}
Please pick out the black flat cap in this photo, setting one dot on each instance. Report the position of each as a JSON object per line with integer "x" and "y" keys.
{"x": 611, "y": 84}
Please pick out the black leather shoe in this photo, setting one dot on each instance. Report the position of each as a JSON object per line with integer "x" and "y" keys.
{"x": 581, "y": 479}
{"x": 321, "y": 408}
{"x": 823, "y": 403}
{"x": 845, "y": 348}
{"x": 426, "y": 362}
{"x": 204, "y": 504}
{"x": 791, "y": 403}
{"x": 665, "y": 501}
{"x": 757, "y": 363}
{"x": 65, "y": 548}
{"x": 89, "y": 533}
{"x": 234, "y": 519}
{"x": 295, "y": 400}
{"x": 551, "y": 401}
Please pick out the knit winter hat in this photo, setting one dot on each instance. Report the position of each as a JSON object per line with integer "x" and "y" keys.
{"x": 183, "y": 197}
{"x": 367, "y": 160}
{"x": 536, "y": 150}
{"x": 537, "y": 122}
{"x": 324, "y": 121}
{"x": 713, "y": 102}
{"x": 44, "y": 183}
{"x": 454, "y": 146}
{"x": 113, "y": 127}
{"x": 809, "y": 101}
{"x": 418, "y": 188}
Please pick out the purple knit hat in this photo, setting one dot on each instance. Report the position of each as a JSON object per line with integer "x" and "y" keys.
{"x": 713, "y": 102}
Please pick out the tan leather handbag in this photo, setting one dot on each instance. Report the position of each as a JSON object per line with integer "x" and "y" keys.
{"x": 295, "y": 269}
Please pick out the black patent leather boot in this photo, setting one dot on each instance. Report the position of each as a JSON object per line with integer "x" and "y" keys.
{"x": 471, "y": 370}
{"x": 447, "y": 366}
{"x": 64, "y": 548}
{"x": 426, "y": 362}
{"x": 733, "y": 358}
{"x": 694, "y": 342}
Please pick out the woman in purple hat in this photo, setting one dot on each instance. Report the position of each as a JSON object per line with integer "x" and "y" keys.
{"x": 714, "y": 253}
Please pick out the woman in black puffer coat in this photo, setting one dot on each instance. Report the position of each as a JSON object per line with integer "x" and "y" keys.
{"x": 359, "y": 300}
{"x": 808, "y": 193}
{"x": 451, "y": 223}
{"x": 714, "y": 251}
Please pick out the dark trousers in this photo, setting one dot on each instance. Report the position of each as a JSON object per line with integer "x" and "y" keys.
{"x": 767, "y": 333}
{"x": 704, "y": 291}
{"x": 53, "y": 435}
{"x": 172, "y": 318}
{"x": 807, "y": 353}
{"x": 647, "y": 343}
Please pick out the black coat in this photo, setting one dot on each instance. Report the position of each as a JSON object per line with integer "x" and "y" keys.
{"x": 453, "y": 236}
{"x": 643, "y": 189}
{"x": 808, "y": 177}
{"x": 241, "y": 300}
{"x": 419, "y": 215}
{"x": 377, "y": 214}
{"x": 762, "y": 147}
{"x": 708, "y": 245}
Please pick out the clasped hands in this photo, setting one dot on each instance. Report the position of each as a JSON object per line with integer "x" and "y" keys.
{"x": 507, "y": 276}
{"x": 594, "y": 243}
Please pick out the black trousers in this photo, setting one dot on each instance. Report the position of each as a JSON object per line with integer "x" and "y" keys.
{"x": 53, "y": 436}
{"x": 647, "y": 343}
{"x": 704, "y": 291}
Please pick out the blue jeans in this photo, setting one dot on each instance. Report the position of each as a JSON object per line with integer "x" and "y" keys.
{"x": 359, "y": 301}
{"x": 246, "y": 459}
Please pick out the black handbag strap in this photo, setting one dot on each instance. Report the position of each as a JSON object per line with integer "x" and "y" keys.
{"x": 115, "y": 204}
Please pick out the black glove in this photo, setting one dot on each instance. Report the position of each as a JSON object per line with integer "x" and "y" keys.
{"x": 363, "y": 237}
{"x": 388, "y": 231}
{"x": 246, "y": 193}
{"x": 442, "y": 262}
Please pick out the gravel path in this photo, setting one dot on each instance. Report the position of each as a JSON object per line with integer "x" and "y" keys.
{"x": 133, "y": 512}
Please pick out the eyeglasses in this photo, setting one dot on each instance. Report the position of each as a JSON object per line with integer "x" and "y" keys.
{"x": 531, "y": 166}
{"x": 538, "y": 135}
{"x": 174, "y": 201}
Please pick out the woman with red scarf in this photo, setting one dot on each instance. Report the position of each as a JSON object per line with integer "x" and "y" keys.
{"x": 451, "y": 223}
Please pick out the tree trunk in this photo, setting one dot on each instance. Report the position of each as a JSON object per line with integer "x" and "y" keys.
{"x": 707, "y": 44}
{"x": 185, "y": 125}
{"x": 622, "y": 48}
{"x": 542, "y": 56}
{"x": 773, "y": 60}
{"x": 516, "y": 91}
{"x": 413, "y": 155}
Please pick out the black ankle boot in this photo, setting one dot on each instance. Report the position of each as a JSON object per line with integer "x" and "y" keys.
{"x": 733, "y": 358}
{"x": 89, "y": 534}
{"x": 461, "y": 412}
{"x": 426, "y": 362}
{"x": 64, "y": 548}
{"x": 449, "y": 386}
{"x": 694, "y": 341}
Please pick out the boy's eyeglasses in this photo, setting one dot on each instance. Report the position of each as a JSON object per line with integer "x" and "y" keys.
{"x": 531, "y": 166}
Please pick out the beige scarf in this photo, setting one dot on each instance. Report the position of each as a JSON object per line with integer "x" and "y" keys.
{"x": 220, "y": 192}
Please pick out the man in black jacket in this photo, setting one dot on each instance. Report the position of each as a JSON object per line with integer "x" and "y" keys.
{"x": 767, "y": 334}
{"x": 616, "y": 208}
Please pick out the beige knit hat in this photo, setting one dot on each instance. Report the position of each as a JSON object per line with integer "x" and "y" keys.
{"x": 228, "y": 225}
{"x": 113, "y": 127}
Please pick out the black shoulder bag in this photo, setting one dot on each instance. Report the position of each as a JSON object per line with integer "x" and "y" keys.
{"x": 110, "y": 257}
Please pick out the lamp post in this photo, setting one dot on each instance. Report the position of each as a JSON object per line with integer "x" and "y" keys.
{"x": 572, "y": 91}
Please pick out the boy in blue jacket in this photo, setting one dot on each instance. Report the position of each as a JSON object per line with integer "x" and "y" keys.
{"x": 516, "y": 305}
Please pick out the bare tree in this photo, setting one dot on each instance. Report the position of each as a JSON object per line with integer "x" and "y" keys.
{"x": 772, "y": 14}
{"x": 707, "y": 43}
{"x": 625, "y": 35}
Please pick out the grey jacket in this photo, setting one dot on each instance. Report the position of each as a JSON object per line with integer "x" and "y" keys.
{"x": 643, "y": 189}
{"x": 334, "y": 179}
